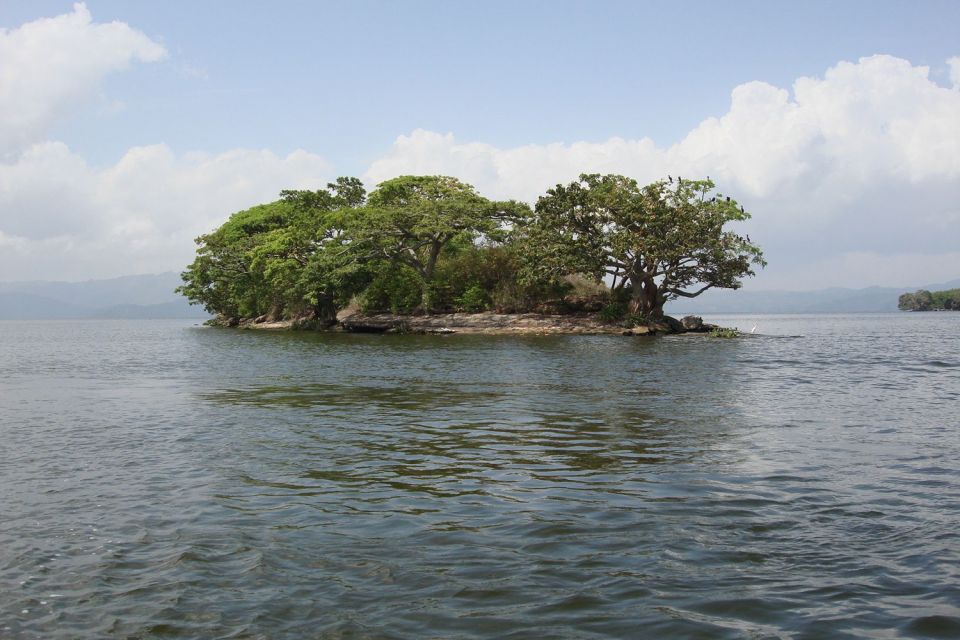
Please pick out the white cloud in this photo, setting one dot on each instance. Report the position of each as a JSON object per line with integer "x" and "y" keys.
{"x": 50, "y": 65}
{"x": 63, "y": 219}
{"x": 953, "y": 64}
{"x": 855, "y": 173}
{"x": 877, "y": 119}
{"x": 60, "y": 217}
{"x": 863, "y": 161}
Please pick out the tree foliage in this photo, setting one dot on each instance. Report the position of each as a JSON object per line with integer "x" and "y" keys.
{"x": 924, "y": 300}
{"x": 223, "y": 277}
{"x": 427, "y": 243}
{"x": 411, "y": 220}
{"x": 659, "y": 242}
{"x": 279, "y": 259}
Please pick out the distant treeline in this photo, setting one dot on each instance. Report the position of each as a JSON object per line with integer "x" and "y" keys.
{"x": 924, "y": 300}
{"x": 423, "y": 244}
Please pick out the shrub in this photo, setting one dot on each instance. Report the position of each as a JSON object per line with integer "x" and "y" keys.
{"x": 474, "y": 299}
{"x": 634, "y": 320}
{"x": 395, "y": 288}
{"x": 720, "y": 332}
{"x": 613, "y": 312}
{"x": 494, "y": 272}
{"x": 584, "y": 287}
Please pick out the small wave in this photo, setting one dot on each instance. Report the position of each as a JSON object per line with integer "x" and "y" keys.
{"x": 934, "y": 627}
{"x": 942, "y": 364}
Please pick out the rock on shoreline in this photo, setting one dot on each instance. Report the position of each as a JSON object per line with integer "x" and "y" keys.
{"x": 480, "y": 323}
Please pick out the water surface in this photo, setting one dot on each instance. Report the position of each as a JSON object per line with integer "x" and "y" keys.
{"x": 159, "y": 479}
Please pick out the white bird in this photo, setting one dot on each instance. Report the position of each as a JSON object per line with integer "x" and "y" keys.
{"x": 754, "y": 328}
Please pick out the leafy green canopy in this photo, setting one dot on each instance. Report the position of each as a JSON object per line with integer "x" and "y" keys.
{"x": 279, "y": 258}
{"x": 654, "y": 242}
{"x": 924, "y": 300}
{"x": 422, "y": 243}
{"x": 222, "y": 277}
{"x": 411, "y": 220}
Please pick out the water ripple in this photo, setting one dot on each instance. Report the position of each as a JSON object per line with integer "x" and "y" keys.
{"x": 166, "y": 481}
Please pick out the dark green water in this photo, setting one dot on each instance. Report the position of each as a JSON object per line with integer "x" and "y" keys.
{"x": 162, "y": 480}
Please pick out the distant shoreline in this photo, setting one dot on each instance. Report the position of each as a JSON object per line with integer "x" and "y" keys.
{"x": 923, "y": 300}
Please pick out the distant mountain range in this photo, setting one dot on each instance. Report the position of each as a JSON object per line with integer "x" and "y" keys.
{"x": 134, "y": 297}
{"x": 152, "y": 296}
{"x": 834, "y": 300}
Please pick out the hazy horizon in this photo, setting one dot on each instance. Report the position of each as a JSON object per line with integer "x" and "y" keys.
{"x": 946, "y": 281}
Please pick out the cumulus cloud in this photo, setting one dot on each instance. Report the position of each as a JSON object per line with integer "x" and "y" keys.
{"x": 854, "y": 173}
{"x": 63, "y": 218}
{"x": 953, "y": 64}
{"x": 862, "y": 161}
{"x": 60, "y": 217}
{"x": 48, "y": 66}
{"x": 880, "y": 118}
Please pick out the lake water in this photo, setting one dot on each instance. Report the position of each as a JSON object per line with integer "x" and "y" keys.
{"x": 159, "y": 479}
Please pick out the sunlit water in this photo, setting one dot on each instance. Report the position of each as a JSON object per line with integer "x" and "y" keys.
{"x": 159, "y": 479}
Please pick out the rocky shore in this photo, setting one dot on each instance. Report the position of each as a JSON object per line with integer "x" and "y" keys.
{"x": 480, "y": 323}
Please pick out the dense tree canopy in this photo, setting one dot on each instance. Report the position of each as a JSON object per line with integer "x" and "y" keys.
{"x": 279, "y": 258}
{"x": 924, "y": 300}
{"x": 222, "y": 277}
{"x": 659, "y": 242}
{"x": 410, "y": 220}
{"x": 432, "y": 243}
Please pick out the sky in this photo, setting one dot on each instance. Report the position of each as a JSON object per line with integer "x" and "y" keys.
{"x": 128, "y": 128}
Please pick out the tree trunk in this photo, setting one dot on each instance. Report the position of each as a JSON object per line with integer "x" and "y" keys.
{"x": 325, "y": 310}
{"x": 276, "y": 312}
{"x": 646, "y": 300}
{"x": 426, "y": 301}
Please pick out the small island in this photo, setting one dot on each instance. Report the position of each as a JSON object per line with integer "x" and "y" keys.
{"x": 488, "y": 322}
{"x": 428, "y": 254}
{"x": 924, "y": 300}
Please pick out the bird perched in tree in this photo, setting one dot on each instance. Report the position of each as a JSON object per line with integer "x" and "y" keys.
{"x": 728, "y": 198}
{"x": 670, "y": 178}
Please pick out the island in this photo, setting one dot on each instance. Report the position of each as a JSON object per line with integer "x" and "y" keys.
{"x": 924, "y": 300}
{"x": 429, "y": 254}
{"x": 489, "y": 322}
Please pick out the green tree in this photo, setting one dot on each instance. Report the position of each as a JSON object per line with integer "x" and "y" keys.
{"x": 410, "y": 220}
{"x": 906, "y": 302}
{"x": 947, "y": 300}
{"x": 306, "y": 261}
{"x": 659, "y": 242}
{"x": 924, "y": 300}
{"x": 281, "y": 259}
{"x": 222, "y": 277}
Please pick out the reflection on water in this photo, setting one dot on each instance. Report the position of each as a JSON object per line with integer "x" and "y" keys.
{"x": 162, "y": 480}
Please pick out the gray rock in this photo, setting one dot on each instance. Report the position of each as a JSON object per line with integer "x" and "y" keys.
{"x": 675, "y": 325}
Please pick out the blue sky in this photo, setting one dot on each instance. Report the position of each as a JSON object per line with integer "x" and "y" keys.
{"x": 345, "y": 78}
{"x": 371, "y": 87}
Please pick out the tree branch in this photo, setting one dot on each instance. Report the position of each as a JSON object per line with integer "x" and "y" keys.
{"x": 687, "y": 294}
